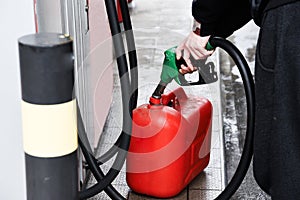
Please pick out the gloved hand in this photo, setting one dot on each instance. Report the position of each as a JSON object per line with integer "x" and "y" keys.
{"x": 193, "y": 45}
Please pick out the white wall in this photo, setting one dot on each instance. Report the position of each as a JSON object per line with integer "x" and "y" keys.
{"x": 16, "y": 20}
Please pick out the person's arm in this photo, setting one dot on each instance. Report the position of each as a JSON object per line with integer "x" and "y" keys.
{"x": 220, "y": 17}
{"x": 217, "y": 18}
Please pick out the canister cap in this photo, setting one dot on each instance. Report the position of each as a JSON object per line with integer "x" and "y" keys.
{"x": 155, "y": 101}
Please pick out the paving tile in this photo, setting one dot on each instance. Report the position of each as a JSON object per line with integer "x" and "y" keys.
{"x": 209, "y": 179}
{"x": 145, "y": 55}
{"x": 103, "y": 147}
{"x": 135, "y": 196}
{"x": 203, "y": 194}
{"x": 114, "y": 118}
{"x": 145, "y": 42}
{"x": 215, "y": 140}
{"x": 111, "y": 135}
{"x": 215, "y": 159}
{"x": 216, "y": 123}
{"x": 122, "y": 189}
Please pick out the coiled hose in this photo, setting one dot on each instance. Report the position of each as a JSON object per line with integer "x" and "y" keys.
{"x": 247, "y": 78}
{"x": 129, "y": 100}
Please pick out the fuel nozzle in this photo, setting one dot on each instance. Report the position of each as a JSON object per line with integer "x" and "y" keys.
{"x": 170, "y": 71}
{"x": 171, "y": 66}
{"x": 155, "y": 99}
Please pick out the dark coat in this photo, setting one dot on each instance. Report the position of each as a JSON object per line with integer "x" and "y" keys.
{"x": 276, "y": 160}
{"x": 223, "y": 17}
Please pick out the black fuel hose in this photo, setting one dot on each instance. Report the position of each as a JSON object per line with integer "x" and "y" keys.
{"x": 133, "y": 74}
{"x": 95, "y": 169}
{"x": 247, "y": 78}
{"x": 131, "y": 51}
{"x": 128, "y": 104}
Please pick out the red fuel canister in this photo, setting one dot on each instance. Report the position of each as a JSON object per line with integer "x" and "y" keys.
{"x": 170, "y": 144}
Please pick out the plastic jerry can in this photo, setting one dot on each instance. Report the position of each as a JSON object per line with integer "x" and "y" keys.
{"x": 170, "y": 144}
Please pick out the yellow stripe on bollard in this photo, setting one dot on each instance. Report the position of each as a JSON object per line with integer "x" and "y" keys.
{"x": 49, "y": 130}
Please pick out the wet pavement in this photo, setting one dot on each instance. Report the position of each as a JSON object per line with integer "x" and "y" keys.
{"x": 159, "y": 25}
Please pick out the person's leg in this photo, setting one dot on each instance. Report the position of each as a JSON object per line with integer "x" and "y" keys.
{"x": 277, "y": 130}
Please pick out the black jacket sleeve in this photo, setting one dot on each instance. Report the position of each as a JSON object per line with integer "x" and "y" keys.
{"x": 221, "y": 17}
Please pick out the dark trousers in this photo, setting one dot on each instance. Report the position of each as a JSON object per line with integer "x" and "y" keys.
{"x": 277, "y": 77}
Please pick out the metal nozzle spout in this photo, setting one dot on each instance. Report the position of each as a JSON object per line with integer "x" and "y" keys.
{"x": 159, "y": 90}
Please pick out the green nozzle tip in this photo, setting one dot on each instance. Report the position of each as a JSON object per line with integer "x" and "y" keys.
{"x": 169, "y": 70}
{"x": 209, "y": 47}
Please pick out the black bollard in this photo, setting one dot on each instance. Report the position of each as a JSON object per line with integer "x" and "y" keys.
{"x": 49, "y": 116}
